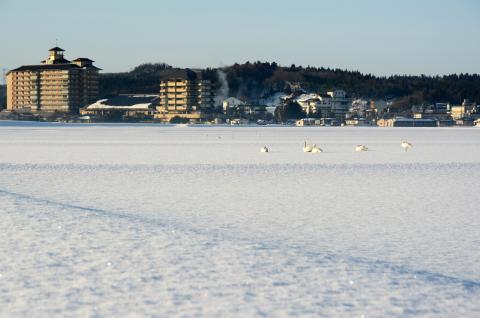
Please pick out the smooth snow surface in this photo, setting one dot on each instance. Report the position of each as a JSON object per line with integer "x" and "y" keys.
{"x": 158, "y": 221}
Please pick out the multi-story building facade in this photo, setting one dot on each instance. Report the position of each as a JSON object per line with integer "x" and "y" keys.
{"x": 185, "y": 94}
{"x": 340, "y": 103}
{"x": 55, "y": 85}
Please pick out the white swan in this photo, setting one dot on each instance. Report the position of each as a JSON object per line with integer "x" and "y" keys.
{"x": 316, "y": 149}
{"x": 311, "y": 148}
{"x": 307, "y": 148}
{"x": 264, "y": 149}
{"x": 406, "y": 145}
{"x": 359, "y": 148}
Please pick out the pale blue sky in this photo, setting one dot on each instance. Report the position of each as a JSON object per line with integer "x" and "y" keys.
{"x": 382, "y": 37}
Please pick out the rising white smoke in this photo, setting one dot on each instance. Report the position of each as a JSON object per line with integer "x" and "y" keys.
{"x": 223, "y": 90}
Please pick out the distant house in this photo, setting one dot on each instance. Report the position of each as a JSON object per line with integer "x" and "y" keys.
{"x": 466, "y": 109}
{"x": 446, "y": 122}
{"x": 340, "y": 103}
{"x": 385, "y": 122}
{"x": 238, "y": 121}
{"x": 458, "y": 111}
{"x": 358, "y": 122}
{"x": 308, "y": 122}
{"x": 406, "y": 122}
{"x": 122, "y": 107}
{"x": 310, "y": 103}
{"x": 330, "y": 122}
{"x": 248, "y": 109}
{"x": 413, "y": 122}
{"x": 465, "y": 121}
{"x": 333, "y": 103}
{"x": 441, "y": 108}
{"x": 230, "y": 104}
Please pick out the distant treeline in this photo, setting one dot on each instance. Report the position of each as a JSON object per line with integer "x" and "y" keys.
{"x": 3, "y": 96}
{"x": 255, "y": 81}
{"x": 144, "y": 78}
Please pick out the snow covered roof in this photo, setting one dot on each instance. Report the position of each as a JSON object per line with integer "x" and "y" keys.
{"x": 234, "y": 102}
{"x": 126, "y": 102}
{"x": 307, "y": 97}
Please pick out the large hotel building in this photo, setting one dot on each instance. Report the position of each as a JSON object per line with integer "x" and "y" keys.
{"x": 185, "y": 94}
{"x": 56, "y": 84}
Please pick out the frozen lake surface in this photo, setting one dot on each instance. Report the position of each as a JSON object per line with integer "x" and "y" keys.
{"x": 145, "y": 220}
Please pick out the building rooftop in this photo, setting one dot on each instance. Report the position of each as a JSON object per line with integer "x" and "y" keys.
{"x": 56, "y": 49}
{"x": 57, "y": 63}
{"x": 59, "y": 60}
{"x": 45, "y": 67}
{"x": 125, "y": 102}
{"x": 83, "y": 59}
{"x": 183, "y": 74}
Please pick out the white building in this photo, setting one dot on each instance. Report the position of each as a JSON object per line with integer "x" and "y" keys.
{"x": 340, "y": 103}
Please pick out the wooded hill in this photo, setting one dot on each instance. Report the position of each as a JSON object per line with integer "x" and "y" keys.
{"x": 255, "y": 81}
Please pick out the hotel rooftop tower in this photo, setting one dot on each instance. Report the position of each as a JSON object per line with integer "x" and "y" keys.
{"x": 56, "y": 84}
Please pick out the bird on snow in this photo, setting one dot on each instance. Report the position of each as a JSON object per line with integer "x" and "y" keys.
{"x": 264, "y": 149}
{"x": 316, "y": 148}
{"x": 311, "y": 148}
{"x": 359, "y": 148}
{"x": 406, "y": 145}
{"x": 307, "y": 148}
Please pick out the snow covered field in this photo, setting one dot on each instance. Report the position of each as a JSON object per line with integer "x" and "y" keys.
{"x": 142, "y": 220}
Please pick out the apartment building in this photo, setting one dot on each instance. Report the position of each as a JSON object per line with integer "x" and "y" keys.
{"x": 56, "y": 84}
{"x": 340, "y": 103}
{"x": 185, "y": 94}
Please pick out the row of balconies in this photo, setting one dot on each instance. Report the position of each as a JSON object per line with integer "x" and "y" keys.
{"x": 173, "y": 90}
{"x": 55, "y": 86}
{"x": 184, "y": 95}
{"x": 53, "y": 82}
{"x": 55, "y": 96}
{"x": 49, "y": 75}
{"x": 174, "y": 84}
{"x": 23, "y": 77}
{"x": 45, "y": 104}
{"x": 24, "y": 73}
{"x": 54, "y": 73}
{"x": 54, "y": 91}
{"x": 173, "y": 108}
{"x": 24, "y": 88}
{"x": 23, "y": 83}
{"x": 187, "y": 98}
{"x": 22, "y": 95}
